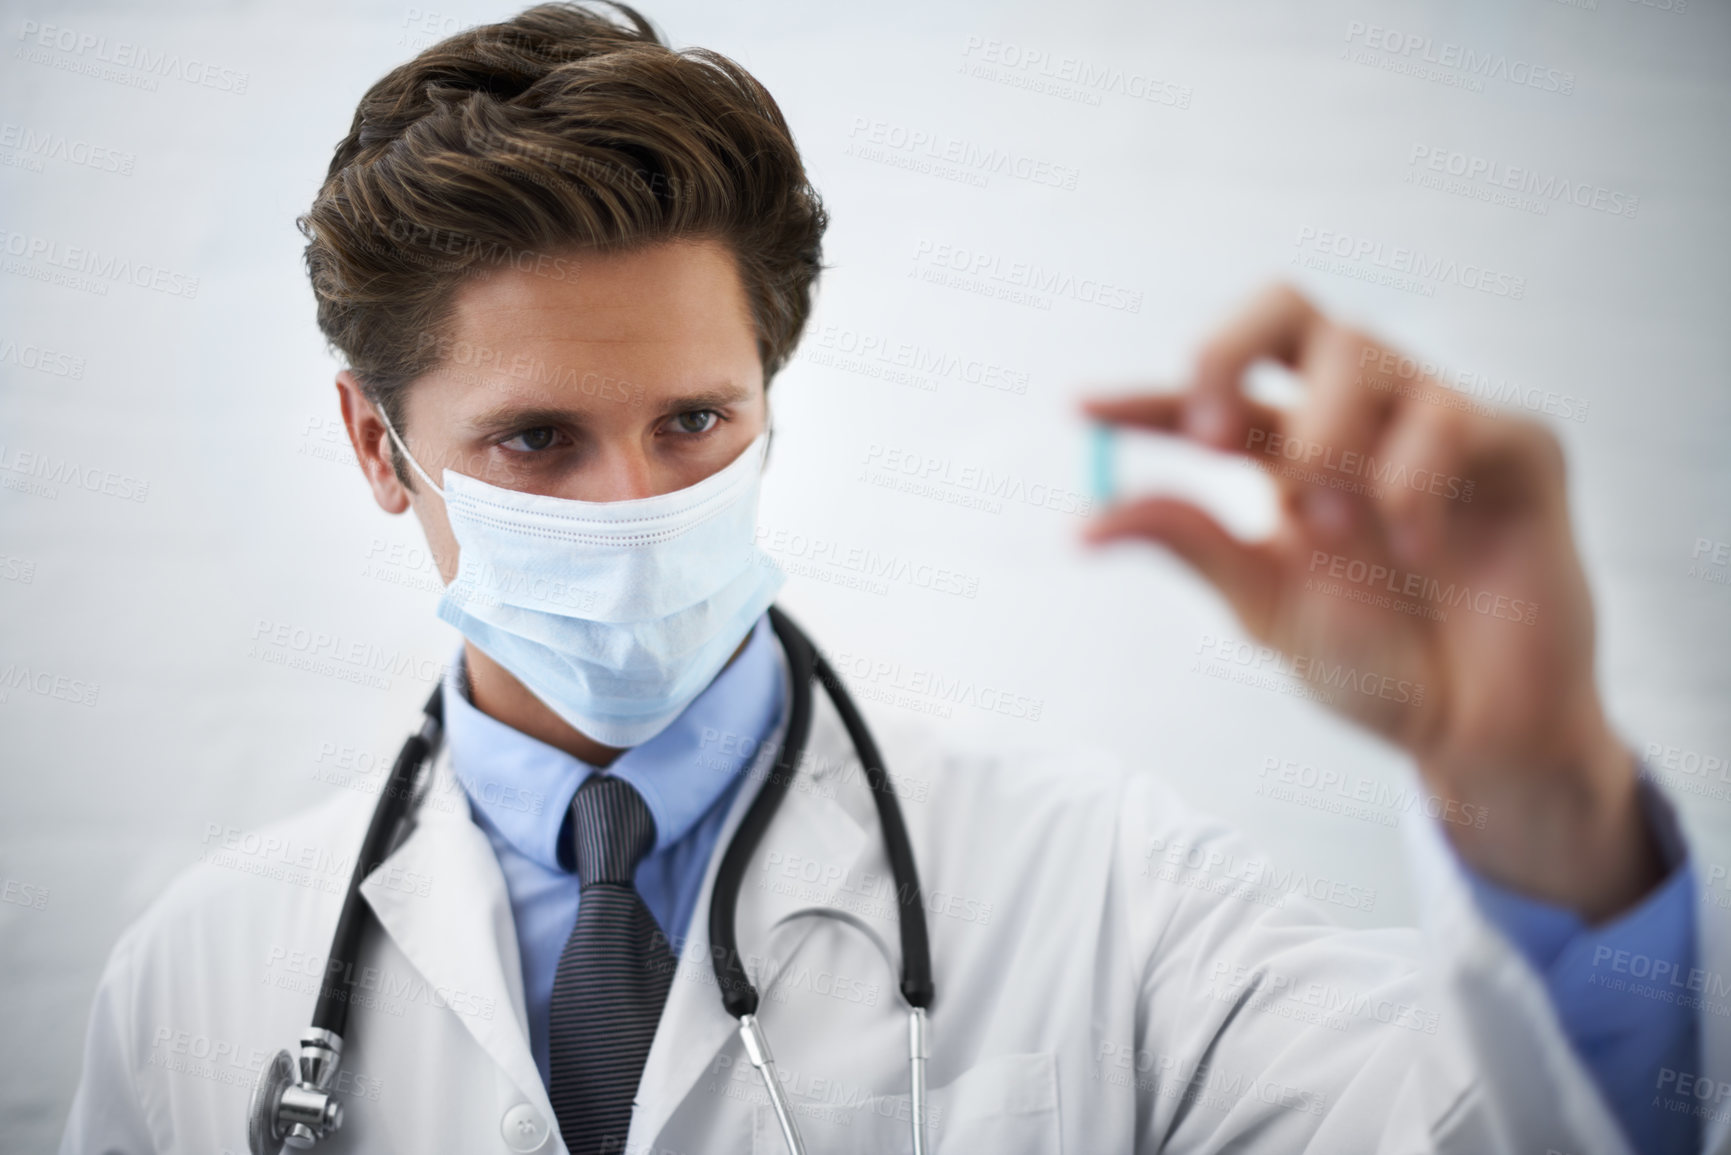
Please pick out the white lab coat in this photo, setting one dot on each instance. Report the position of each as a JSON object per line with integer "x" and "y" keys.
{"x": 1091, "y": 996}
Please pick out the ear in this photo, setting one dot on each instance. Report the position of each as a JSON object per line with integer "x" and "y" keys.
{"x": 371, "y": 441}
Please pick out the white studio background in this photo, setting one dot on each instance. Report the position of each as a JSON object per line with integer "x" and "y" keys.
{"x": 212, "y": 498}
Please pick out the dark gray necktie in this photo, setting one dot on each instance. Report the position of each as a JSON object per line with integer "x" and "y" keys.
{"x": 613, "y": 974}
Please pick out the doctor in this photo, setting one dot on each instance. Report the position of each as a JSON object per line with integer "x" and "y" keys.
{"x": 564, "y": 264}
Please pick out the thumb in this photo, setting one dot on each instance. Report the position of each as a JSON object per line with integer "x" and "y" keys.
{"x": 1244, "y": 573}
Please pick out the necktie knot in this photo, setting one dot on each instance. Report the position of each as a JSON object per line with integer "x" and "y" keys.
{"x": 611, "y": 830}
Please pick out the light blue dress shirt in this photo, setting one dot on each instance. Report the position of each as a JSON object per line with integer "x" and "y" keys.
{"x": 1626, "y": 1028}
{"x": 520, "y": 792}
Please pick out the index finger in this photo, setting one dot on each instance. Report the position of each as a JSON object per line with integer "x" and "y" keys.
{"x": 1166, "y": 413}
{"x": 1278, "y": 325}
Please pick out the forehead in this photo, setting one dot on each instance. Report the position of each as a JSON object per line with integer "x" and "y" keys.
{"x": 645, "y": 312}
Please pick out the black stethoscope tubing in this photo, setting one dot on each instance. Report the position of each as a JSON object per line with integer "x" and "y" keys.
{"x": 737, "y": 993}
{"x": 391, "y": 822}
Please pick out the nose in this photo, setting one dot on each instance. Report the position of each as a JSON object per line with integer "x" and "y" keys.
{"x": 620, "y": 471}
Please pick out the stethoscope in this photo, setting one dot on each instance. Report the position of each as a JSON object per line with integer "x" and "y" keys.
{"x": 297, "y": 1109}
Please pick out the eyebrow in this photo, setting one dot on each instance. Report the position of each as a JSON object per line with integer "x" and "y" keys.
{"x": 508, "y": 416}
{"x": 728, "y": 394}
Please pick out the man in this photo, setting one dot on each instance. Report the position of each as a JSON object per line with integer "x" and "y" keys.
{"x": 564, "y": 265}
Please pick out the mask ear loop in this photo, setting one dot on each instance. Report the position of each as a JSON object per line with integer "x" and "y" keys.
{"x": 404, "y": 449}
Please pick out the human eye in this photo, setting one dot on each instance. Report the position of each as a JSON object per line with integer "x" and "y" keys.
{"x": 533, "y": 440}
{"x": 696, "y": 422}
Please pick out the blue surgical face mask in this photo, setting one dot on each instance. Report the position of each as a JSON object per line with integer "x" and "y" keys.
{"x": 616, "y": 614}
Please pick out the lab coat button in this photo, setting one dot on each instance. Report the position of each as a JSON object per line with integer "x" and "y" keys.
{"x": 524, "y": 1128}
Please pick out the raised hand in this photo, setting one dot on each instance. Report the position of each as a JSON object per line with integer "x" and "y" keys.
{"x": 1431, "y": 545}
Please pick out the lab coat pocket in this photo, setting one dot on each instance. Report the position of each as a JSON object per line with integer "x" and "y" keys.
{"x": 1006, "y": 1104}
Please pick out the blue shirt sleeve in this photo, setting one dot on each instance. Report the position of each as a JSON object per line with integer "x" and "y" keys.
{"x": 1625, "y": 990}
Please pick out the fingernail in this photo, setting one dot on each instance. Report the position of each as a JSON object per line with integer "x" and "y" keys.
{"x": 1098, "y": 531}
{"x": 1329, "y": 512}
{"x": 1207, "y": 419}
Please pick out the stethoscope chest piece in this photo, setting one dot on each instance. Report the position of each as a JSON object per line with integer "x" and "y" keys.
{"x": 295, "y": 1109}
{"x": 262, "y": 1134}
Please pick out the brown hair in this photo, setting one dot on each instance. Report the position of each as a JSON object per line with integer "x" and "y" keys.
{"x": 557, "y": 131}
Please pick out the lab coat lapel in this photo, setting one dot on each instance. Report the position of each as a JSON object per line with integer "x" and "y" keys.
{"x": 810, "y": 855}
{"x": 810, "y": 824}
{"x": 459, "y": 934}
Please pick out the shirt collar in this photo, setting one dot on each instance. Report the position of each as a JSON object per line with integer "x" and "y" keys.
{"x": 523, "y": 787}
